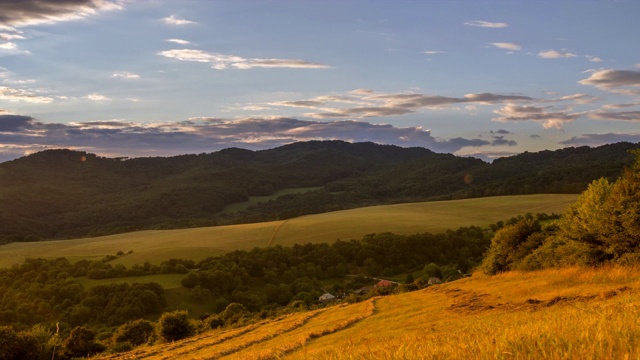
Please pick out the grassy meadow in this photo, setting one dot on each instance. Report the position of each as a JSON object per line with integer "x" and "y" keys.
{"x": 198, "y": 243}
{"x": 571, "y": 313}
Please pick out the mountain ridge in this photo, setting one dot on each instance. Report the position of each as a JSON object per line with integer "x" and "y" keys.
{"x": 57, "y": 194}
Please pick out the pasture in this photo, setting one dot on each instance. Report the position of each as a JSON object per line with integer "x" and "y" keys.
{"x": 198, "y": 243}
{"x": 572, "y": 313}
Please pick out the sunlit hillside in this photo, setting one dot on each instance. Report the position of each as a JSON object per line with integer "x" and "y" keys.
{"x": 572, "y": 313}
{"x": 198, "y": 243}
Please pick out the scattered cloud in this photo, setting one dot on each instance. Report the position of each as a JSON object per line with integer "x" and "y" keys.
{"x": 221, "y": 61}
{"x": 179, "y": 41}
{"x": 11, "y": 94}
{"x": 125, "y": 138}
{"x": 507, "y": 46}
{"x": 364, "y": 103}
{"x": 511, "y": 112}
{"x": 96, "y": 97}
{"x": 31, "y": 12}
{"x": 486, "y": 24}
{"x": 594, "y": 59}
{"x": 625, "y": 82}
{"x": 434, "y": 52}
{"x": 173, "y": 20}
{"x": 632, "y": 116}
{"x": 9, "y": 37}
{"x": 555, "y": 54}
{"x": 600, "y": 139}
{"x": 125, "y": 75}
{"x": 8, "y": 46}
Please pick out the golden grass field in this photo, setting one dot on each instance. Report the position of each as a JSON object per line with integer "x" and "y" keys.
{"x": 573, "y": 313}
{"x": 198, "y": 243}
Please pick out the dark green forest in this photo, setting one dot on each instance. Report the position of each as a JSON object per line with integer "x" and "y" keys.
{"x": 59, "y": 194}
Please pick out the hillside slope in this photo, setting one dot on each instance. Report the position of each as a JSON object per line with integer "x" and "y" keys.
{"x": 573, "y": 313}
{"x": 60, "y": 194}
{"x": 198, "y": 243}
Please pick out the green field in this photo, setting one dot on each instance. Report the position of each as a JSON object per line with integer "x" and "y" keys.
{"x": 197, "y": 244}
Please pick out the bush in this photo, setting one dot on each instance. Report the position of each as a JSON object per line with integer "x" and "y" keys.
{"x": 136, "y": 332}
{"x": 80, "y": 343}
{"x": 175, "y": 325}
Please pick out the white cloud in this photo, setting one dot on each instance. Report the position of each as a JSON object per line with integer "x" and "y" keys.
{"x": 179, "y": 41}
{"x": 631, "y": 116}
{"x": 96, "y": 97}
{"x": 433, "y": 52}
{"x": 625, "y": 82}
{"x": 507, "y": 46}
{"x": 555, "y": 54}
{"x": 9, "y": 37}
{"x": 364, "y": 103}
{"x": 10, "y": 94}
{"x": 594, "y": 59}
{"x": 512, "y": 112}
{"x": 486, "y": 24}
{"x": 173, "y": 20}
{"x": 125, "y": 75}
{"x": 8, "y": 46}
{"x": 222, "y": 61}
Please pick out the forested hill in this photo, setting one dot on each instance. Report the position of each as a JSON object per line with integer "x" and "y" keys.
{"x": 62, "y": 193}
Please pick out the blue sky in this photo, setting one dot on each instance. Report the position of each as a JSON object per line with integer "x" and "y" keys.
{"x": 158, "y": 78}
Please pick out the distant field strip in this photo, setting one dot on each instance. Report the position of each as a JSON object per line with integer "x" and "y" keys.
{"x": 196, "y": 244}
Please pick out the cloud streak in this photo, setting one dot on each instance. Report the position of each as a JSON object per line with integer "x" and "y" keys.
{"x": 511, "y": 112}
{"x": 222, "y": 61}
{"x": 507, "y": 46}
{"x": 486, "y": 24}
{"x": 174, "y": 20}
{"x": 124, "y": 138}
{"x": 555, "y": 54}
{"x": 626, "y": 82}
{"x": 363, "y": 103}
{"x": 11, "y": 94}
{"x": 31, "y": 12}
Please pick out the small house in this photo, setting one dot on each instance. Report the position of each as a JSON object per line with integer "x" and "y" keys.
{"x": 384, "y": 283}
{"x": 326, "y": 297}
{"x": 363, "y": 290}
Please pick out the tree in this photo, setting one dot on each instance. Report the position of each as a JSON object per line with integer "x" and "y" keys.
{"x": 175, "y": 325}
{"x": 507, "y": 245}
{"x": 80, "y": 343}
{"x": 135, "y": 332}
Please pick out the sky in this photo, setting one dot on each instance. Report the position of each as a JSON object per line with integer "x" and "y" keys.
{"x": 138, "y": 78}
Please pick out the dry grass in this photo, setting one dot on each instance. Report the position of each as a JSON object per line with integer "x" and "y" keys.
{"x": 573, "y": 313}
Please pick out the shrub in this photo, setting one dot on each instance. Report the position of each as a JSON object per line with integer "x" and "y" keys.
{"x": 174, "y": 326}
{"x": 135, "y": 332}
{"x": 80, "y": 343}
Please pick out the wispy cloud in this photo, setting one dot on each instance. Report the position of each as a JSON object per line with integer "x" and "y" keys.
{"x": 512, "y": 112}
{"x": 125, "y": 138}
{"x": 625, "y": 82}
{"x": 174, "y": 20}
{"x": 96, "y": 97}
{"x": 434, "y": 52}
{"x": 32, "y": 12}
{"x": 594, "y": 59}
{"x": 555, "y": 54}
{"x": 486, "y": 24}
{"x": 364, "y": 103}
{"x": 507, "y": 46}
{"x": 125, "y": 75}
{"x": 631, "y": 116}
{"x": 601, "y": 139}
{"x": 179, "y": 41}
{"x": 222, "y": 61}
{"x": 11, "y": 94}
